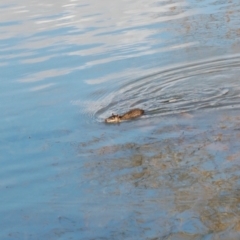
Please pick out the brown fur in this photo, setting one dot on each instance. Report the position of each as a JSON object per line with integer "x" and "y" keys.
{"x": 134, "y": 113}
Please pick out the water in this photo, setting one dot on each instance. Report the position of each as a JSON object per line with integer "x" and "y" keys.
{"x": 67, "y": 65}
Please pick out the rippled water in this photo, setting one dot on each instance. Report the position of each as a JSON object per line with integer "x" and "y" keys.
{"x": 200, "y": 85}
{"x": 67, "y": 65}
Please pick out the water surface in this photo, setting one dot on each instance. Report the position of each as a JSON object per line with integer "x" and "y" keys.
{"x": 67, "y": 65}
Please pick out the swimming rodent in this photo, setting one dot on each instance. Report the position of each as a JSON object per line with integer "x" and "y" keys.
{"x": 134, "y": 113}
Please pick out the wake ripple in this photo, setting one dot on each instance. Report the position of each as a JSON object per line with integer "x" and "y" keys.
{"x": 211, "y": 84}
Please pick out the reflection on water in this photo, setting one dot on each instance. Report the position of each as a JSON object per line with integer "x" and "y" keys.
{"x": 173, "y": 173}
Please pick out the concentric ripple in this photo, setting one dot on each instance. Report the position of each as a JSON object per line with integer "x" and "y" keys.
{"x": 211, "y": 84}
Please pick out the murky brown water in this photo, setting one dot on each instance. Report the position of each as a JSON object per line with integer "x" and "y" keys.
{"x": 172, "y": 174}
{"x": 178, "y": 181}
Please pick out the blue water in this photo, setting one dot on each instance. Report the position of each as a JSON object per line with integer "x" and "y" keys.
{"x": 66, "y": 66}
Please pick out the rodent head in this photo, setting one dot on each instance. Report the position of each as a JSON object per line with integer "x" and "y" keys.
{"x": 113, "y": 119}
